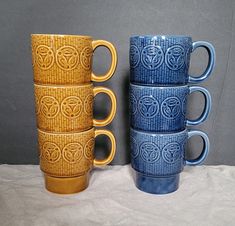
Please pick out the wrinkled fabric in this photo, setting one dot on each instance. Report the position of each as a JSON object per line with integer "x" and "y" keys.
{"x": 206, "y": 196}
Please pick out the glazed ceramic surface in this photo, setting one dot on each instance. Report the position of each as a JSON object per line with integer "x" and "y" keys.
{"x": 165, "y": 60}
{"x": 67, "y": 158}
{"x": 159, "y": 158}
{"x": 67, "y": 59}
{"x": 69, "y": 108}
{"x": 163, "y": 109}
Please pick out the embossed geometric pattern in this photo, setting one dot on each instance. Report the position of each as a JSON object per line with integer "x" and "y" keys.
{"x": 61, "y": 59}
{"x": 67, "y": 57}
{"x": 86, "y": 57}
{"x": 152, "y": 57}
{"x": 64, "y": 109}
{"x": 133, "y": 104}
{"x": 175, "y": 57}
{"x": 71, "y": 107}
{"x": 88, "y": 104}
{"x": 134, "y": 147}
{"x": 163, "y": 59}
{"x": 171, "y": 152}
{"x": 149, "y": 152}
{"x": 134, "y": 56}
{"x": 49, "y": 106}
{"x": 37, "y": 105}
{"x": 184, "y": 105}
{"x": 51, "y": 152}
{"x": 66, "y": 154}
{"x": 171, "y": 107}
{"x": 88, "y": 150}
{"x": 72, "y": 152}
{"x": 148, "y": 106}
{"x": 44, "y": 57}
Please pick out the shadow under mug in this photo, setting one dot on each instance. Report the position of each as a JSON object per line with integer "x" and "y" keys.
{"x": 69, "y": 108}
{"x": 67, "y": 59}
{"x": 67, "y": 158}
{"x": 165, "y": 59}
{"x": 163, "y": 109}
{"x": 159, "y": 158}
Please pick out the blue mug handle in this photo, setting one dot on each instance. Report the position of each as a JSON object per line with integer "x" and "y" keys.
{"x": 207, "y": 107}
{"x": 205, "y": 150}
{"x": 211, "y": 62}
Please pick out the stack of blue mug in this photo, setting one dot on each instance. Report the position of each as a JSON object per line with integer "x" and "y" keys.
{"x": 159, "y": 92}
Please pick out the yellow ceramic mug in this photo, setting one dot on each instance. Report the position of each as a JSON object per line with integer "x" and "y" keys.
{"x": 67, "y": 158}
{"x": 67, "y": 59}
{"x": 69, "y": 108}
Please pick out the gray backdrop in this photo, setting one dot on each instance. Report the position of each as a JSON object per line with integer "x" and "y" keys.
{"x": 115, "y": 21}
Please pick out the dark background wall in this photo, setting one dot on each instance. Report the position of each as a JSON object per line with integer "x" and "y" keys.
{"x": 116, "y": 21}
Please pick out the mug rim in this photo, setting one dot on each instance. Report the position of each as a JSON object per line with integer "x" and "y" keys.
{"x": 67, "y": 133}
{"x": 64, "y": 86}
{"x": 62, "y": 35}
{"x": 154, "y": 86}
{"x": 161, "y": 134}
{"x": 160, "y": 36}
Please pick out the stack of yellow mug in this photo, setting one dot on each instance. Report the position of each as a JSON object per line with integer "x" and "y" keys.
{"x": 64, "y": 96}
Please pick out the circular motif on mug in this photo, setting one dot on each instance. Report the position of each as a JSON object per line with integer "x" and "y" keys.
{"x": 184, "y": 105}
{"x": 86, "y": 56}
{"x": 33, "y": 46}
{"x": 148, "y": 106}
{"x": 152, "y": 57}
{"x": 134, "y": 147}
{"x": 49, "y": 106}
{"x": 175, "y": 57}
{"x": 37, "y": 105}
{"x": 72, "y": 152}
{"x": 134, "y": 56}
{"x": 171, "y": 107}
{"x": 44, "y": 57}
{"x": 88, "y": 104}
{"x": 171, "y": 152}
{"x": 51, "y": 152}
{"x": 67, "y": 57}
{"x": 40, "y": 149}
{"x": 150, "y": 152}
{"x": 71, "y": 107}
{"x": 89, "y": 147}
{"x": 187, "y": 57}
{"x": 133, "y": 104}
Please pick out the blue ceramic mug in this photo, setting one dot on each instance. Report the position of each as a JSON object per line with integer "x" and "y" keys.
{"x": 164, "y": 59}
{"x": 158, "y": 158}
{"x": 163, "y": 109}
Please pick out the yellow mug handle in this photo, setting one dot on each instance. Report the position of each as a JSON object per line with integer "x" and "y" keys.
{"x": 113, "y": 52}
{"x": 109, "y": 118}
{"x": 106, "y": 161}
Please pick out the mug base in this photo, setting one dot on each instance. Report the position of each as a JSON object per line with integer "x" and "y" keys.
{"x": 157, "y": 185}
{"x": 66, "y": 185}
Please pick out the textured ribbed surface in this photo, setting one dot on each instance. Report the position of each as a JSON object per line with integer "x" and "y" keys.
{"x": 158, "y": 155}
{"x": 64, "y": 109}
{"x": 160, "y": 59}
{"x": 66, "y": 155}
{"x": 61, "y": 59}
{"x": 158, "y": 109}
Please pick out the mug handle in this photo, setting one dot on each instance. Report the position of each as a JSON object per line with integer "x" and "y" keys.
{"x": 207, "y": 107}
{"x": 205, "y": 150}
{"x": 109, "y": 118}
{"x": 113, "y": 52}
{"x": 106, "y": 161}
{"x": 211, "y": 62}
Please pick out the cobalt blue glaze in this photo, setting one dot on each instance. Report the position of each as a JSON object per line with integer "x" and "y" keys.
{"x": 163, "y": 109}
{"x": 160, "y": 59}
{"x": 159, "y": 158}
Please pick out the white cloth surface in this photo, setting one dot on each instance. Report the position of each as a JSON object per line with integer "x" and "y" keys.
{"x": 206, "y": 196}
